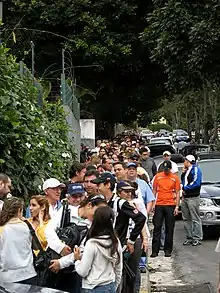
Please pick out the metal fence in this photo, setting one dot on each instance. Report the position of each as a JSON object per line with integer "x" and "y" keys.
{"x": 72, "y": 109}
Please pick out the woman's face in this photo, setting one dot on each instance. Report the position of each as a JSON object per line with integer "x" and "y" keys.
{"x": 90, "y": 210}
{"x": 34, "y": 208}
{"x": 126, "y": 194}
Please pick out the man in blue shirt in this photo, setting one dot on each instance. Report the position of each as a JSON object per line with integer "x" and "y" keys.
{"x": 143, "y": 188}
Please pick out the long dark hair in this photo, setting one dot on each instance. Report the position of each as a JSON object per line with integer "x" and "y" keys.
{"x": 10, "y": 209}
{"x": 103, "y": 225}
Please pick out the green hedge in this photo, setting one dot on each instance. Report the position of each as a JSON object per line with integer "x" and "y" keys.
{"x": 157, "y": 127}
{"x": 33, "y": 142}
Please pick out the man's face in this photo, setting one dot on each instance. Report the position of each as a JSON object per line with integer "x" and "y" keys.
{"x": 53, "y": 193}
{"x": 91, "y": 188}
{"x": 187, "y": 164}
{"x": 145, "y": 155}
{"x": 108, "y": 145}
{"x": 120, "y": 172}
{"x": 167, "y": 158}
{"x": 108, "y": 165}
{"x": 132, "y": 172}
{"x": 76, "y": 199}
{"x": 80, "y": 175}
{"x": 103, "y": 188}
{"x": 5, "y": 188}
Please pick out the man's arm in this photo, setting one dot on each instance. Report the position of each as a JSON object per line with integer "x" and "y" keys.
{"x": 154, "y": 169}
{"x": 138, "y": 218}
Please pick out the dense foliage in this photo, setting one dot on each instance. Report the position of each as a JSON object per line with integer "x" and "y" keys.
{"x": 102, "y": 39}
{"x": 33, "y": 142}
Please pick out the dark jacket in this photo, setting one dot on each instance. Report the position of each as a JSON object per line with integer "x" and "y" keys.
{"x": 124, "y": 212}
{"x": 192, "y": 185}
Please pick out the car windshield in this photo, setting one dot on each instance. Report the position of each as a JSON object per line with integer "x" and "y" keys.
{"x": 210, "y": 170}
{"x": 159, "y": 140}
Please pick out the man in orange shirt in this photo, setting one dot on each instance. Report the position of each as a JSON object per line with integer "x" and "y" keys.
{"x": 166, "y": 188}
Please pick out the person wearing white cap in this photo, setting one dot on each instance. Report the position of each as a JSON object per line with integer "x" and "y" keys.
{"x": 191, "y": 182}
{"x": 167, "y": 157}
{"x": 52, "y": 189}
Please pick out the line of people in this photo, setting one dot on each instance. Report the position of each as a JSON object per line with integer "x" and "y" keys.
{"x": 112, "y": 201}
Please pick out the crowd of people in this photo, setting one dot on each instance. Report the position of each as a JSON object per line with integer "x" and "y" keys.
{"x": 103, "y": 208}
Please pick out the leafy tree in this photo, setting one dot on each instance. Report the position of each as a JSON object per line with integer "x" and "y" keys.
{"x": 34, "y": 144}
{"x": 102, "y": 38}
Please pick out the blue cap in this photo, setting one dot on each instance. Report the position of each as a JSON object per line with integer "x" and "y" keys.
{"x": 75, "y": 188}
{"x": 131, "y": 164}
{"x": 124, "y": 185}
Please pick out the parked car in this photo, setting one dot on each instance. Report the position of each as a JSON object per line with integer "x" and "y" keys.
{"x": 180, "y": 135}
{"x": 210, "y": 192}
{"x": 163, "y": 139}
{"x": 158, "y": 149}
{"x": 146, "y": 133}
{"x": 208, "y": 155}
{"x": 20, "y": 288}
{"x": 194, "y": 149}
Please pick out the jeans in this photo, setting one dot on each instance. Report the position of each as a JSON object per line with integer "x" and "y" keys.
{"x": 161, "y": 213}
{"x": 110, "y": 288}
{"x": 191, "y": 218}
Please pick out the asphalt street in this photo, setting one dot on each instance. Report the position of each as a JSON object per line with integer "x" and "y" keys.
{"x": 194, "y": 265}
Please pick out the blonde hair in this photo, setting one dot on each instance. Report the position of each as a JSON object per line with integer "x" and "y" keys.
{"x": 43, "y": 202}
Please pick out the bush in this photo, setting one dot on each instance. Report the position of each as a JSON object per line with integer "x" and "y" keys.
{"x": 157, "y": 127}
{"x": 33, "y": 142}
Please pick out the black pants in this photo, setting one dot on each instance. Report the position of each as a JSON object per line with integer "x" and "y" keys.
{"x": 163, "y": 213}
{"x": 69, "y": 282}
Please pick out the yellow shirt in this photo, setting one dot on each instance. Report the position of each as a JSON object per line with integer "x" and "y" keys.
{"x": 40, "y": 232}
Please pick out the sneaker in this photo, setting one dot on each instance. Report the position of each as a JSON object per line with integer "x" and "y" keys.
{"x": 187, "y": 242}
{"x": 167, "y": 254}
{"x": 154, "y": 254}
{"x": 196, "y": 243}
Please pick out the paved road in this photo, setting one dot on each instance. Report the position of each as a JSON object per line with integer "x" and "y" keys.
{"x": 195, "y": 264}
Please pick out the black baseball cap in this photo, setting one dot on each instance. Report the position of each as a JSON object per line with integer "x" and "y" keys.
{"x": 105, "y": 178}
{"x": 167, "y": 165}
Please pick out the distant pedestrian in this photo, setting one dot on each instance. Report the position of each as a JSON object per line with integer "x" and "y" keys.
{"x": 167, "y": 157}
{"x": 191, "y": 181}
{"x": 147, "y": 163}
{"x": 5, "y": 187}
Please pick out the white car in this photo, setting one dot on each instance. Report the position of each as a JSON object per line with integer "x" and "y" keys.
{"x": 163, "y": 139}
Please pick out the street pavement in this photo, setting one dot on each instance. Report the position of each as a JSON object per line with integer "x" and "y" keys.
{"x": 188, "y": 266}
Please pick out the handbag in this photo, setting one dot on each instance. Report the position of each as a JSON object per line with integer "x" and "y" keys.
{"x": 45, "y": 278}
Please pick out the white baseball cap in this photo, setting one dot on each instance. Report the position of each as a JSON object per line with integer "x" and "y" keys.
{"x": 191, "y": 158}
{"x": 166, "y": 153}
{"x": 52, "y": 183}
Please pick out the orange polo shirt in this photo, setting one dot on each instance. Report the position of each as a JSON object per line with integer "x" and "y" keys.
{"x": 166, "y": 186}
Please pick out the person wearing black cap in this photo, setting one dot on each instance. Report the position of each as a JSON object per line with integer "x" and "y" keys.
{"x": 166, "y": 188}
{"x": 123, "y": 211}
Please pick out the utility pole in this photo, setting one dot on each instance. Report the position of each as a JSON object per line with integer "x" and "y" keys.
{"x": 63, "y": 61}
{"x": 32, "y": 58}
{"x": 1, "y": 11}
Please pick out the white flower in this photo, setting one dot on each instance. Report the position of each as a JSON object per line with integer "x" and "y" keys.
{"x": 65, "y": 155}
{"x": 9, "y": 152}
{"x": 28, "y": 145}
{"x": 40, "y": 144}
{"x": 42, "y": 127}
{"x": 50, "y": 165}
{"x": 39, "y": 187}
{"x": 32, "y": 108}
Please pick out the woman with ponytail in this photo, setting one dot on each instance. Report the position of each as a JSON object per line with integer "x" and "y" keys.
{"x": 16, "y": 257}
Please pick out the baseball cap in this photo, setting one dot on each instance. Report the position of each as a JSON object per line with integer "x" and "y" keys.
{"x": 134, "y": 156}
{"x": 52, "y": 183}
{"x": 131, "y": 164}
{"x": 167, "y": 165}
{"x": 105, "y": 177}
{"x": 124, "y": 185}
{"x": 166, "y": 153}
{"x": 190, "y": 158}
{"x": 75, "y": 188}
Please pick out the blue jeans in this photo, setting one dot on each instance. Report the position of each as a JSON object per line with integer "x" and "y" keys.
{"x": 110, "y": 288}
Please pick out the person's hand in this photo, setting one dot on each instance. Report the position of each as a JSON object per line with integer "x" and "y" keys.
{"x": 41, "y": 217}
{"x": 66, "y": 250}
{"x": 145, "y": 245}
{"x": 77, "y": 253}
{"x": 218, "y": 290}
{"x": 176, "y": 211}
{"x": 55, "y": 266}
{"x": 130, "y": 247}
